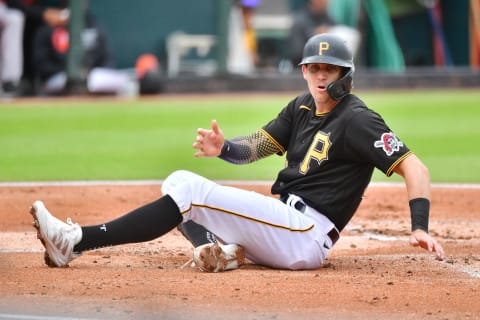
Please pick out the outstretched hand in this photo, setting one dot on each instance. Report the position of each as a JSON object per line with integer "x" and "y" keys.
{"x": 209, "y": 142}
{"x": 420, "y": 238}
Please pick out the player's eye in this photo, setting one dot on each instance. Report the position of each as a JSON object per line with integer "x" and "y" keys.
{"x": 313, "y": 68}
{"x": 329, "y": 68}
{"x": 332, "y": 68}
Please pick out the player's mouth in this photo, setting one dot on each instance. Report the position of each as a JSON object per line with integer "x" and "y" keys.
{"x": 322, "y": 88}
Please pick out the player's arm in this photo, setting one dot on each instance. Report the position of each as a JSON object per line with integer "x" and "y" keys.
{"x": 240, "y": 150}
{"x": 247, "y": 149}
{"x": 417, "y": 180}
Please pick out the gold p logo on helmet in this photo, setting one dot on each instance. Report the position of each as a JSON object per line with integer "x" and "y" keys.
{"x": 323, "y": 46}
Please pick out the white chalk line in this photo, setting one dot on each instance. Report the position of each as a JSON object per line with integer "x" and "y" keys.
{"x": 11, "y": 316}
{"x": 229, "y": 182}
{"x": 366, "y": 235}
{"x": 31, "y": 250}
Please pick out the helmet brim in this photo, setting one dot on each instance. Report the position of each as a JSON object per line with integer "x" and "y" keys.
{"x": 327, "y": 60}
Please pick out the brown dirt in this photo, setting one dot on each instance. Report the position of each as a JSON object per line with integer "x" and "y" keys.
{"x": 371, "y": 273}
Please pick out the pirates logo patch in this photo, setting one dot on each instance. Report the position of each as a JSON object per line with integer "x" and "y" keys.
{"x": 389, "y": 143}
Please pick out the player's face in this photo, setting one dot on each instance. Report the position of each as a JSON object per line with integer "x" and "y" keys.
{"x": 318, "y": 77}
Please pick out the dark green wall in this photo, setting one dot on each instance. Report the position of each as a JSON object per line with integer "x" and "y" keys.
{"x": 455, "y": 23}
{"x": 141, "y": 26}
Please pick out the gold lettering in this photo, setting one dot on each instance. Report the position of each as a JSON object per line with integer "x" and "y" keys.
{"x": 323, "y": 46}
{"x": 318, "y": 151}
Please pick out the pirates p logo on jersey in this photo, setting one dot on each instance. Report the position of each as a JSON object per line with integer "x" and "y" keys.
{"x": 389, "y": 143}
{"x": 318, "y": 151}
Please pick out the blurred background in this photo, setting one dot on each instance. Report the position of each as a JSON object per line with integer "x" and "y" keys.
{"x": 149, "y": 47}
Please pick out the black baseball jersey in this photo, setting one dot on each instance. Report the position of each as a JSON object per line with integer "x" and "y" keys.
{"x": 331, "y": 157}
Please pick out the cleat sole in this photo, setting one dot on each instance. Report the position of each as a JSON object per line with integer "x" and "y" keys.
{"x": 36, "y": 225}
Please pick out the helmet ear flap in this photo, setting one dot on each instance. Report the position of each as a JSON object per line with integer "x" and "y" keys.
{"x": 340, "y": 88}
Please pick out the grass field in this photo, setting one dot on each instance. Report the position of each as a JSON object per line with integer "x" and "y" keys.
{"x": 111, "y": 139}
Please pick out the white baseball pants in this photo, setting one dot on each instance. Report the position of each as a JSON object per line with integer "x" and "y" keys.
{"x": 272, "y": 233}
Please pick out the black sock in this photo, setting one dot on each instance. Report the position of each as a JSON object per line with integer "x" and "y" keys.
{"x": 196, "y": 233}
{"x": 142, "y": 224}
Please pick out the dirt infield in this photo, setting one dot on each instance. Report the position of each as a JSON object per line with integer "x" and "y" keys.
{"x": 372, "y": 272}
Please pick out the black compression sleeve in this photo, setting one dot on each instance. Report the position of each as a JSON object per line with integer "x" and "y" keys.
{"x": 196, "y": 233}
{"x": 235, "y": 153}
{"x": 247, "y": 149}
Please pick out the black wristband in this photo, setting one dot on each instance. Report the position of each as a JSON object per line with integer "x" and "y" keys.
{"x": 419, "y": 212}
{"x": 235, "y": 153}
{"x": 225, "y": 149}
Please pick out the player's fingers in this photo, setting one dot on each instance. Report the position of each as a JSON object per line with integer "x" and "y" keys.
{"x": 413, "y": 241}
{"x": 215, "y": 128}
{"x": 203, "y": 132}
{"x": 199, "y": 154}
{"x": 198, "y": 142}
{"x": 438, "y": 250}
{"x": 430, "y": 246}
{"x": 426, "y": 243}
{"x": 199, "y": 138}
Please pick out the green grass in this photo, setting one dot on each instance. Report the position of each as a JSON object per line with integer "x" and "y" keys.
{"x": 147, "y": 139}
{"x": 441, "y": 127}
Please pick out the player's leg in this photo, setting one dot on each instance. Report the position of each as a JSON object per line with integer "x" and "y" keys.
{"x": 66, "y": 241}
{"x": 271, "y": 232}
{"x": 208, "y": 254}
{"x": 197, "y": 234}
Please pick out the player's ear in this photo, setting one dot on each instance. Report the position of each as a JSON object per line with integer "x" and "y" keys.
{"x": 304, "y": 71}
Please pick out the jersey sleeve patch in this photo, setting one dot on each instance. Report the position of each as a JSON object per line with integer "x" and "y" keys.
{"x": 389, "y": 143}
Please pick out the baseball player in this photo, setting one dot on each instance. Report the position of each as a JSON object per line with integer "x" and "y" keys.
{"x": 332, "y": 143}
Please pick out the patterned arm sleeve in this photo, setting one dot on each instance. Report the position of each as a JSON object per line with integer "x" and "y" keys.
{"x": 247, "y": 149}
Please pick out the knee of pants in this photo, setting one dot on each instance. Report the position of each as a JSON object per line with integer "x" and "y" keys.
{"x": 176, "y": 178}
{"x": 186, "y": 187}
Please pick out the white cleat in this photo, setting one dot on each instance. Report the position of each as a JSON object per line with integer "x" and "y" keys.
{"x": 212, "y": 257}
{"x": 57, "y": 237}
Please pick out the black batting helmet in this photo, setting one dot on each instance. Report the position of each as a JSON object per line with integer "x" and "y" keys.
{"x": 327, "y": 48}
{"x": 331, "y": 49}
